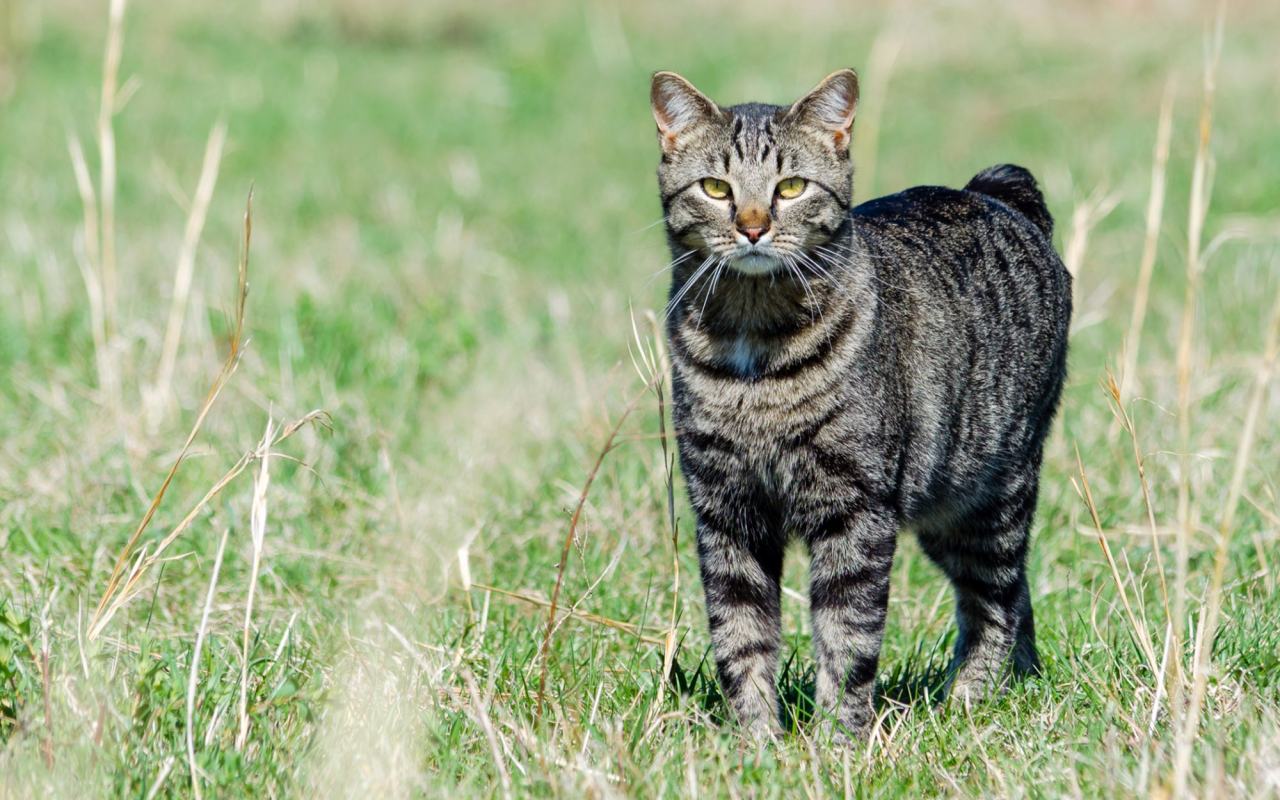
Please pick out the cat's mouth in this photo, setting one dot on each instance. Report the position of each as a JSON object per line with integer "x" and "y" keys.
{"x": 755, "y": 262}
{"x": 755, "y": 258}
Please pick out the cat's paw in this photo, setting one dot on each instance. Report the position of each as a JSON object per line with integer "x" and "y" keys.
{"x": 848, "y": 734}
{"x": 970, "y": 689}
{"x": 844, "y": 739}
{"x": 763, "y": 731}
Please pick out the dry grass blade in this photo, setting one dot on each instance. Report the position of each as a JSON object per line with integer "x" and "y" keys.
{"x": 1259, "y": 545}
{"x": 880, "y": 61}
{"x": 90, "y": 260}
{"x": 187, "y": 257}
{"x": 88, "y": 197}
{"x": 1199, "y": 209}
{"x": 495, "y": 747}
{"x": 194, "y": 675}
{"x": 46, "y": 694}
{"x": 1150, "y": 244}
{"x": 89, "y": 266}
{"x": 129, "y": 587}
{"x": 654, "y": 372}
{"x": 1209, "y": 618}
{"x": 1197, "y": 212}
{"x": 258, "y": 533}
{"x": 1126, "y": 422}
{"x": 1140, "y": 633}
{"x": 1170, "y": 673}
{"x": 568, "y": 543}
{"x": 107, "y": 159}
{"x": 1086, "y": 216}
{"x": 669, "y": 484}
{"x": 234, "y": 352}
{"x": 158, "y": 784}
{"x": 586, "y": 616}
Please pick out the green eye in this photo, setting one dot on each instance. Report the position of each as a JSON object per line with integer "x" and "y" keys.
{"x": 715, "y": 188}
{"x": 791, "y": 188}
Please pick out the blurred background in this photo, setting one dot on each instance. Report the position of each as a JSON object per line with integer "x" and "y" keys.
{"x": 454, "y": 225}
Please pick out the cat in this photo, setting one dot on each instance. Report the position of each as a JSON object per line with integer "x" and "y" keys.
{"x": 843, "y": 373}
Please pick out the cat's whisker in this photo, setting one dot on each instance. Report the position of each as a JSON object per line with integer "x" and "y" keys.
{"x": 836, "y": 285}
{"x": 670, "y": 266}
{"x": 705, "y": 292}
{"x": 816, "y": 267}
{"x": 688, "y": 284}
{"x": 847, "y": 250}
{"x": 836, "y": 272}
{"x": 844, "y": 265}
{"x": 812, "y": 303}
{"x": 677, "y": 294}
{"x": 651, "y": 225}
{"x": 715, "y": 280}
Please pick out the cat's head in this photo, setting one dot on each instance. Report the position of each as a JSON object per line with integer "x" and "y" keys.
{"x": 755, "y": 184}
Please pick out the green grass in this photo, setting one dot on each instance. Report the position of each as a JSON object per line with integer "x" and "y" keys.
{"x": 450, "y": 228}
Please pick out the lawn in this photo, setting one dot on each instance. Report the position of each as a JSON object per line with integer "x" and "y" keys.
{"x": 455, "y": 259}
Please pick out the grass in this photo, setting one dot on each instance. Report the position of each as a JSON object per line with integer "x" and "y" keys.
{"x": 451, "y": 226}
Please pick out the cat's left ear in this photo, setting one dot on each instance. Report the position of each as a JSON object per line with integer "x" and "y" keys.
{"x": 831, "y": 106}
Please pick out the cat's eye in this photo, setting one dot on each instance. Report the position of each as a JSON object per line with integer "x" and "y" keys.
{"x": 791, "y": 188}
{"x": 715, "y": 188}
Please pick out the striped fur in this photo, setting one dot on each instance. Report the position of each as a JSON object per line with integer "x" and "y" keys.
{"x": 866, "y": 370}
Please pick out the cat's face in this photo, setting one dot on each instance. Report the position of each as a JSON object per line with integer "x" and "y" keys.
{"x": 755, "y": 185}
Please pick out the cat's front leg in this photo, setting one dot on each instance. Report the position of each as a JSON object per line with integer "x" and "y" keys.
{"x": 848, "y": 598}
{"x": 741, "y": 568}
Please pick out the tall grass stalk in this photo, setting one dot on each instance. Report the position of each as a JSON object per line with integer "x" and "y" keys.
{"x": 87, "y": 256}
{"x": 1211, "y": 613}
{"x": 193, "y": 677}
{"x": 185, "y": 267}
{"x": 1140, "y": 632}
{"x": 258, "y": 534}
{"x": 880, "y": 62}
{"x": 1201, "y": 180}
{"x": 107, "y": 161}
{"x": 570, "y": 535}
{"x": 653, "y": 368}
{"x": 1150, "y": 245}
{"x": 110, "y": 601}
{"x": 1084, "y": 218}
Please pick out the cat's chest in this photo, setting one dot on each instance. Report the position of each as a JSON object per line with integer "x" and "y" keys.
{"x": 761, "y": 417}
{"x": 744, "y": 357}
{"x": 751, "y": 442}
{"x": 761, "y": 397}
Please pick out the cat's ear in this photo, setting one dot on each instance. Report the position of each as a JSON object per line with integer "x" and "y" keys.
{"x": 832, "y": 105}
{"x": 677, "y": 108}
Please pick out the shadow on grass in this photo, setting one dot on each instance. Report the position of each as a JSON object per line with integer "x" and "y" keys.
{"x": 917, "y": 680}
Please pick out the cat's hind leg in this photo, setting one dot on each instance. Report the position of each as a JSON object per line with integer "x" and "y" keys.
{"x": 984, "y": 555}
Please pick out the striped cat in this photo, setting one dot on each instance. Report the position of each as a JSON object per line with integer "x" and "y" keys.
{"x": 842, "y": 373}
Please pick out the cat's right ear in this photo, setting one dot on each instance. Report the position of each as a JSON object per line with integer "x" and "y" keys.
{"x": 677, "y": 108}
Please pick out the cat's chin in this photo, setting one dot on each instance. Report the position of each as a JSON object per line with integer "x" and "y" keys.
{"x": 755, "y": 264}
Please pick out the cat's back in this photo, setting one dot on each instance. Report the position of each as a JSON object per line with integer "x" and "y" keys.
{"x": 979, "y": 304}
{"x": 981, "y": 256}
{"x": 998, "y": 220}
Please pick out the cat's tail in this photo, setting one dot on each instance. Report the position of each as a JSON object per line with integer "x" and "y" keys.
{"x": 1015, "y": 187}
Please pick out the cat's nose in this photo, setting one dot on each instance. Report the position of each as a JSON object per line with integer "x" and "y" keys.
{"x": 752, "y": 223}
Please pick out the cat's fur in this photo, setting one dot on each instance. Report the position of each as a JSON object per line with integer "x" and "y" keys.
{"x": 859, "y": 371}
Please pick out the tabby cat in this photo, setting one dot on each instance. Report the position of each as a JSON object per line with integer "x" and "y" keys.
{"x": 842, "y": 373}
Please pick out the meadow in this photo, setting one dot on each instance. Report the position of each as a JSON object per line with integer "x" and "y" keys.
{"x": 424, "y": 536}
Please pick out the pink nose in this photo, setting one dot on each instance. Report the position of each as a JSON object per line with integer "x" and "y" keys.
{"x": 753, "y": 234}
